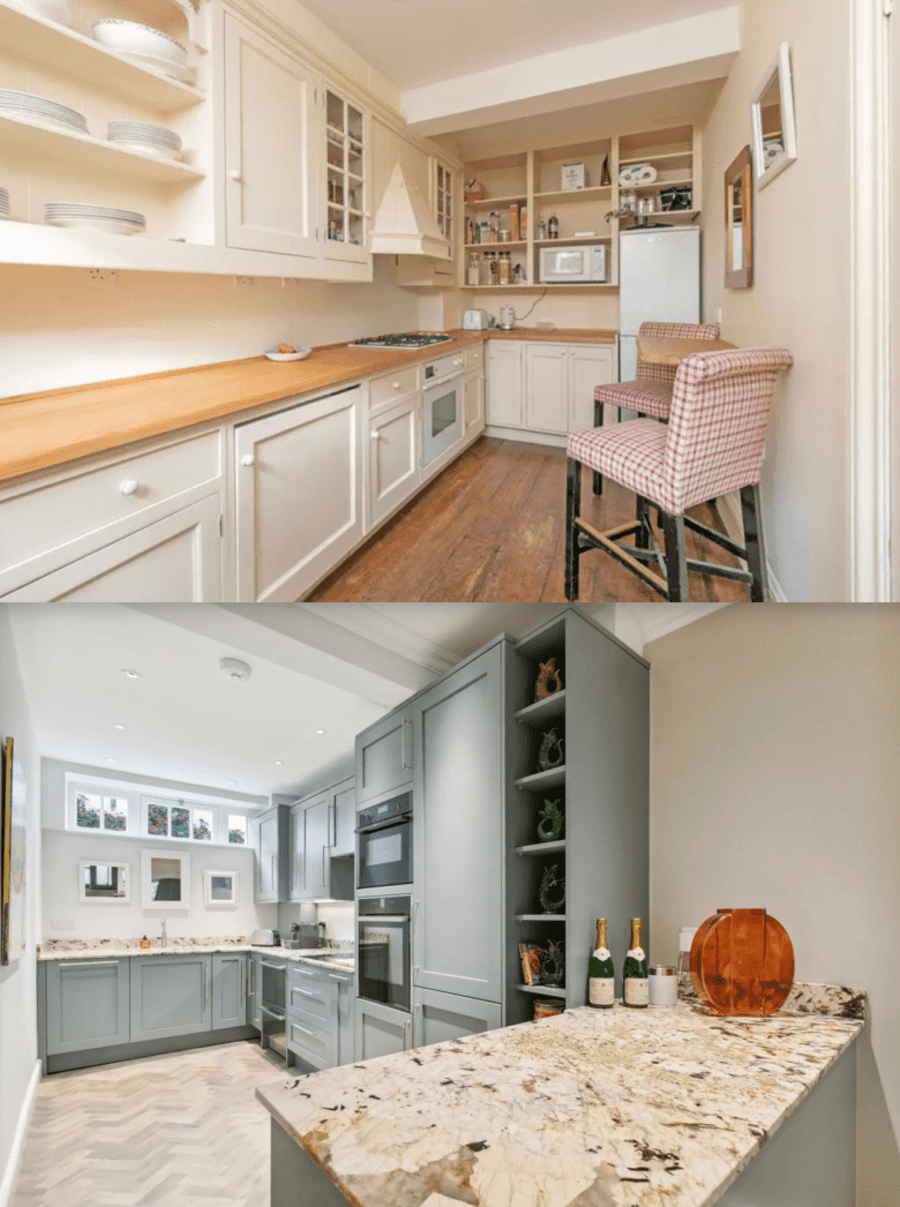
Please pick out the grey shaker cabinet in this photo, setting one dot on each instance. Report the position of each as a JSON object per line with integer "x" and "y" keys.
{"x": 272, "y": 833}
{"x": 384, "y": 756}
{"x": 229, "y": 990}
{"x": 254, "y": 1005}
{"x": 309, "y": 848}
{"x": 444, "y": 1016}
{"x": 87, "y": 1004}
{"x": 342, "y": 827}
{"x": 458, "y": 805}
{"x": 170, "y": 995}
{"x": 380, "y": 1030}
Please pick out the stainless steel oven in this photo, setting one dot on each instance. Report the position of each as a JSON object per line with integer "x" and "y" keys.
{"x": 384, "y": 942}
{"x": 442, "y": 406}
{"x": 384, "y": 844}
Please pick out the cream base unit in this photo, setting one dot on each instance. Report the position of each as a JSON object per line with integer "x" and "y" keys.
{"x": 270, "y": 145}
{"x": 394, "y": 463}
{"x": 298, "y": 507}
{"x": 473, "y": 404}
{"x": 546, "y": 387}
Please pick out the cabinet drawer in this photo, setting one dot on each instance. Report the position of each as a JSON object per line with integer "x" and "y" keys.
{"x": 474, "y": 357}
{"x": 45, "y": 517}
{"x": 309, "y": 1043}
{"x": 310, "y": 1000}
{"x": 403, "y": 381}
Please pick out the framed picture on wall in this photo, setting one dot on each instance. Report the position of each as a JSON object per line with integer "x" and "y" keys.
{"x": 13, "y": 822}
{"x": 165, "y": 880}
{"x": 220, "y": 890}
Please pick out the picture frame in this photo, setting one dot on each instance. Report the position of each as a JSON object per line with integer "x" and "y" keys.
{"x": 165, "y": 879}
{"x": 773, "y": 102}
{"x": 101, "y": 883}
{"x": 739, "y": 222}
{"x": 13, "y": 834}
{"x": 220, "y": 889}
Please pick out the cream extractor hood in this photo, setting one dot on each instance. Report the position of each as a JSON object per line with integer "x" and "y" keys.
{"x": 404, "y": 224}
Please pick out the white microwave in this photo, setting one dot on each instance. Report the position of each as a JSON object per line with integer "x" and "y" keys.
{"x": 575, "y": 263}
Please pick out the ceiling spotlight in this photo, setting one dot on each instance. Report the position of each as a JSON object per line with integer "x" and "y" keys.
{"x": 132, "y": 674}
{"x": 320, "y": 731}
{"x": 233, "y": 668}
{"x": 279, "y": 762}
{"x": 109, "y": 760}
{"x": 118, "y": 725}
{"x": 232, "y": 781}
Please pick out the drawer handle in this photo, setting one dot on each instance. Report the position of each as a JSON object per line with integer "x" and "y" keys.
{"x": 297, "y": 1027}
{"x": 396, "y": 385}
{"x": 128, "y": 487}
{"x": 305, "y": 992}
{"x": 248, "y": 459}
{"x": 90, "y": 964}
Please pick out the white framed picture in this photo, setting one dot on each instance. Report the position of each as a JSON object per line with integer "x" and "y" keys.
{"x": 220, "y": 890}
{"x": 104, "y": 883}
{"x": 165, "y": 880}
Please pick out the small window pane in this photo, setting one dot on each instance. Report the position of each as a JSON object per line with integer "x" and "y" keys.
{"x": 181, "y": 822}
{"x": 237, "y": 829}
{"x": 87, "y": 812}
{"x": 203, "y": 823}
{"x": 115, "y": 813}
{"x": 158, "y": 820}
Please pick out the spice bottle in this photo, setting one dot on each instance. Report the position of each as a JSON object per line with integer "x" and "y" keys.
{"x": 553, "y": 227}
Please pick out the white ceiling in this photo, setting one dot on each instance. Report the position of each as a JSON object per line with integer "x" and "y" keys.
{"x": 337, "y": 667}
{"x": 419, "y": 42}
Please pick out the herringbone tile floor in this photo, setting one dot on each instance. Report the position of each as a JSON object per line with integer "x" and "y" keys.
{"x": 181, "y": 1130}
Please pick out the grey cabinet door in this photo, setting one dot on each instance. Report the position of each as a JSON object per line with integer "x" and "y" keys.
{"x": 384, "y": 756}
{"x": 272, "y": 839}
{"x": 296, "y": 890}
{"x": 458, "y": 829}
{"x": 254, "y": 1004}
{"x": 443, "y": 1016}
{"x": 343, "y": 818}
{"x": 229, "y": 990}
{"x": 170, "y": 995}
{"x": 345, "y": 1001}
{"x": 87, "y": 1004}
{"x": 379, "y": 1030}
{"x": 316, "y": 814}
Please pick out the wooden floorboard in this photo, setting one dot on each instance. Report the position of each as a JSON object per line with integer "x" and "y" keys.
{"x": 491, "y": 527}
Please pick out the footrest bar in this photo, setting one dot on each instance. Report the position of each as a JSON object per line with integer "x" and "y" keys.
{"x": 601, "y": 540}
{"x": 743, "y": 576}
{"x": 718, "y": 538}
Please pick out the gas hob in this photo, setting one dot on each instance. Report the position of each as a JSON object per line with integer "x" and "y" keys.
{"x": 402, "y": 340}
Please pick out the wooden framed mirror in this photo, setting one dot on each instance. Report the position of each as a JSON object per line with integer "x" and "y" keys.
{"x": 772, "y": 118}
{"x": 739, "y": 222}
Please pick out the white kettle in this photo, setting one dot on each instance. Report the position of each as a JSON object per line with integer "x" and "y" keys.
{"x": 507, "y": 318}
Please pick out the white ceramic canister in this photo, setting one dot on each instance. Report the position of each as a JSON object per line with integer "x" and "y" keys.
{"x": 662, "y": 983}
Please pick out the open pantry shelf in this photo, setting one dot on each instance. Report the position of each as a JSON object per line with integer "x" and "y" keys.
{"x": 490, "y": 203}
{"x": 552, "y": 778}
{"x": 541, "y": 710}
{"x": 78, "y": 56}
{"x": 543, "y": 990}
{"x": 603, "y": 190}
{"x": 541, "y": 848}
{"x": 20, "y": 134}
{"x": 540, "y": 917}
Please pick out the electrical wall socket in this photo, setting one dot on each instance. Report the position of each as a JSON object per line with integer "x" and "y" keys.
{"x": 63, "y": 924}
{"x": 719, "y": 316}
{"x": 243, "y": 280}
{"x": 103, "y": 276}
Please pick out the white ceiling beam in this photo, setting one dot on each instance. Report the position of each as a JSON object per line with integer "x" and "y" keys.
{"x": 681, "y": 52}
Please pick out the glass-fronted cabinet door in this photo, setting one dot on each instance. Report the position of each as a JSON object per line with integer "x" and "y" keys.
{"x": 347, "y": 185}
{"x": 443, "y": 197}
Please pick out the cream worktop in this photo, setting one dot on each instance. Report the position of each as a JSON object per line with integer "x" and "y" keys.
{"x": 38, "y": 431}
{"x": 593, "y": 1106}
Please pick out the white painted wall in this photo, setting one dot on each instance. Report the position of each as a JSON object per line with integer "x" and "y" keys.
{"x": 800, "y": 297}
{"x": 775, "y": 777}
{"x": 67, "y": 918}
{"x": 57, "y": 329}
{"x": 18, "y": 1011}
{"x": 556, "y": 306}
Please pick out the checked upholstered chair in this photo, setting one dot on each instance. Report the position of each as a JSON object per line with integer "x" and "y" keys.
{"x": 651, "y": 391}
{"x": 712, "y": 444}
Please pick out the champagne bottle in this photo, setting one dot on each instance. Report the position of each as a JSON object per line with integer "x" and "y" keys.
{"x": 635, "y": 986}
{"x": 601, "y": 975}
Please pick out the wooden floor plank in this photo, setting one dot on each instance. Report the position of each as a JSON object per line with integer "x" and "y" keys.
{"x": 491, "y": 527}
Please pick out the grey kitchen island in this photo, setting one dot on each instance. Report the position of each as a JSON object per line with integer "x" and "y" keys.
{"x": 587, "y": 1109}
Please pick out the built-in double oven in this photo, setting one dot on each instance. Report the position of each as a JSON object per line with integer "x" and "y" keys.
{"x": 384, "y": 860}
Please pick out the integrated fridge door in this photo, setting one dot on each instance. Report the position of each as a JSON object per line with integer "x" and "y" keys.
{"x": 659, "y": 280}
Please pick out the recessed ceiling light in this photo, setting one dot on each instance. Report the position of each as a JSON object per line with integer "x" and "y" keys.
{"x": 118, "y": 725}
{"x": 132, "y": 674}
{"x": 109, "y": 760}
{"x": 279, "y": 762}
{"x": 320, "y": 731}
{"x": 232, "y": 781}
{"x": 233, "y": 668}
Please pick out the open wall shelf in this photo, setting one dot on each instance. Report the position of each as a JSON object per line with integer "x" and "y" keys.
{"x": 542, "y": 848}
{"x": 542, "y": 990}
{"x": 543, "y": 710}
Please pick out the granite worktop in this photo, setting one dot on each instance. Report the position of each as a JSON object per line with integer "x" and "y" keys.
{"x": 620, "y": 1107}
{"x": 337, "y": 960}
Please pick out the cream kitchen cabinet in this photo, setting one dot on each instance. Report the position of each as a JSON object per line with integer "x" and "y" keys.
{"x": 271, "y": 145}
{"x": 473, "y": 403}
{"x": 505, "y": 375}
{"x": 545, "y": 387}
{"x": 298, "y": 494}
{"x": 394, "y": 468}
{"x": 346, "y": 200}
{"x": 590, "y": 365}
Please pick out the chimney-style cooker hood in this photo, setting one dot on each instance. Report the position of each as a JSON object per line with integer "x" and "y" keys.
{"x": 404, "y": 225}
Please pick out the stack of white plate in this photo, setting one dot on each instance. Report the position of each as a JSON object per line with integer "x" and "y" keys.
{"x": 39, "y": 109}
{"x": 95, "y": 217}
{"x": 143, "y": 136}
{"x": 4, "y": 203}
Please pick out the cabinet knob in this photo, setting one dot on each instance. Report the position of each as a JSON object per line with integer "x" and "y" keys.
{"x": 248, "y": 459}
{"x": 396, "y": 385}
{"x": 459, "y": 362}
{"x": 375, "y": 435}
{"x": 235, "y": 175}
{"x": 128, "y": 487}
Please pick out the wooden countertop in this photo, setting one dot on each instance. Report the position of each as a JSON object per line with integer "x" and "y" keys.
{"x": 38, "y": 431}
{"x": 659, "y": 350}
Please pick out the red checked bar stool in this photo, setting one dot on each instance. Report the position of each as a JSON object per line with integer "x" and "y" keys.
{"x": 713, "y": 443}
{"x": 651, "y": 391}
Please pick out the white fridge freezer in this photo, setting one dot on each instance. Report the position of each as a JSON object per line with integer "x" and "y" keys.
{"x": 659, "y": 282}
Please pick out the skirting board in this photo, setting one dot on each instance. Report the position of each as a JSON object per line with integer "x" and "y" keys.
{"x": 730, "y": 511}
{"x": 15, "y": 1155}
{"x": 520, "y": 434}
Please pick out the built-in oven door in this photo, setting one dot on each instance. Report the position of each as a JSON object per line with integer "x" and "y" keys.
{"x": 441, "y": 418}
{"x": 383, "y": 944}
{"x": 384, "y": 855}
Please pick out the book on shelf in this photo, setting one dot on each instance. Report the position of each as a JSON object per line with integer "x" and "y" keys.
{"x": 530, "y": 955}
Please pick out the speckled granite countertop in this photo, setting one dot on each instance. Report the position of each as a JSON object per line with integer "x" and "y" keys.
{"x": 93, "y": 949}
{"x": 619, "y": 1107}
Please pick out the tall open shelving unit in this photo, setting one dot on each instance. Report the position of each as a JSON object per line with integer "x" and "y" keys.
{"x": 602, "y": 716}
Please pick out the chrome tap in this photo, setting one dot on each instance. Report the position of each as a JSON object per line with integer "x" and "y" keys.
{"x": 163, "y": 941}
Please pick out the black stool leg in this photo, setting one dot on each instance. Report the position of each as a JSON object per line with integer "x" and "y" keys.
{"x": 642, "y": 514}
{"x": 573, "y": 507}
{"x": 755, "y": 544}
{"x": 676, "y": 563}
{"x": 598, "y": 422}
